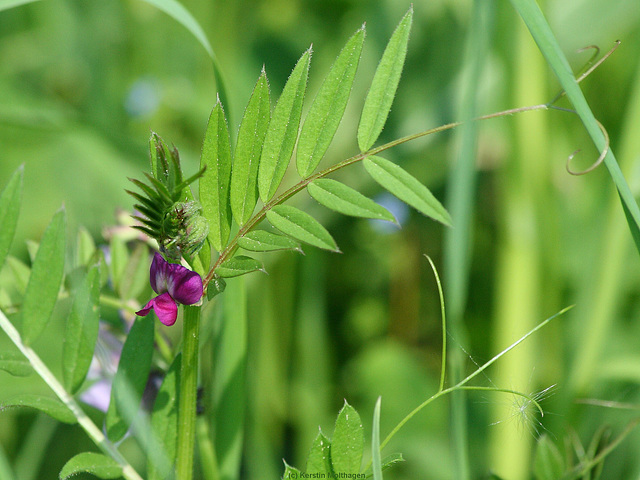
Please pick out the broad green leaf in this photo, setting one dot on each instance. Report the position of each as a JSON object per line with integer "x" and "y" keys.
{"x": 283, "y": 130}
{"x": 45, "y": 280}
{"x": 244, "y": 175}
{"x": 135, "y": 276}
{"x": 319, "y": 459}
{"x": 94, "y": 463}
{"x": 291, "y": 473}
{"x": 347, "y": 442}
{"x": 215, "y": 182}
{"x": 81, "y": 331}
{"x": 376, "y": 461}
{"x": 263, "y": 241}
{"x": 301, "y": 226}
{"x": 9, "y": 210}
{"x": 49, "y": 405}
{"x": 384, "y": 85}
{"x": 328, "y": 107}
{"x": 119, "y": 260}
{"x": 343, "y": 199}
{"x": 548, "y": 463}
{"x": 131, "y": 378}
{"x": 164, "y": 425}
{"x": 407, "y": 188}
{"x": 239, "y": 265}
{"x": 16, "y": 365}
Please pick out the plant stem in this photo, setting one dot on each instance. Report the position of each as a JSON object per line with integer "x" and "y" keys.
{"x": 188, "y": 393}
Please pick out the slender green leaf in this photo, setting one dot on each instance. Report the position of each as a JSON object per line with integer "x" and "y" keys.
{"x": 301, "y": 226}
{"x": 239, "y": 265}
{"x": 407, "y": 188}
{"x": 215, "y": 183}
{"x": 283, "y": 130}
{"x": 45, "y": 280}
{"x": 7, "y": 4}
{"x": 291, "y": 473}
{"x": 16, "y": 365}
{"x": 9, "y": 211}
{"x": 164, "y": 424}
{"x": 343, "y": 199}
{"x": 376, "y": 461}
{"x": 548, "y": 463}
{"x": 94, "y": 463}
{"x": 384, "y": 85}
{"x": 49, "y": 405}
{"x": 20, "y": 273}
{"x": 119, "y": 260}
{"x": 263, "y": 241}
{"x": 135, "y": 275}
{"x": 86, "y": 247}
{"x": 319, "y": 459}
{"x": 244, "y": 175}
{"x": 328, "y": 107}
{"x": 131, "y": 377}
{"x": 347, "y": 442}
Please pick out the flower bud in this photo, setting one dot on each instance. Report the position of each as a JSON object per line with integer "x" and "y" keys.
{"x": 187, "y": 228}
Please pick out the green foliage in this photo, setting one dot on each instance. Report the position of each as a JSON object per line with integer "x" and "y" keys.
{"x": 348, "y": 441}
{"x": 15, "y": 365}
{"x": 548, "y": 463}
{"x": 343, "y": 199}
{"x": 94, "y": 463}
{"x": 263, "y": 241}
{"x": 301, "y": 226}
{"x": 239, "y": 265}
{"x": 9, "y": 210}
{"x": 49, "y": 405}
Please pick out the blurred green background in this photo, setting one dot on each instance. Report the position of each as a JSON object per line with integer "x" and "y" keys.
{"x": 82, "y": 84}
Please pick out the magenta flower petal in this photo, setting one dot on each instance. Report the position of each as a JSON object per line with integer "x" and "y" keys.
{"x": 184, "y": 285}
{"x": 166, "y": 309}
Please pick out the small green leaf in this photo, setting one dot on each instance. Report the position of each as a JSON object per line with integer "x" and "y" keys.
{"x": 244, "y": 175}
{"x": 16, "y": 365}
{"x": 135, "y": 275}
{"x": 215, "y": 182}
{"x": 9, "y": 211}
{"x": 301, "y": 226}
{"x": 86, "y": 247}
{"x": 548, "y": 463}
{"x": 391, "y": 460}
{"x": 45, "y": 280}
{"x": 291, "y": 473}
{"x": 376, "y": 461}
{"x": 239, "y": 265}
{"x": 347, "y": 442}
{"x": 263, "y": 241}
{"x": 131, "y": 377}
{"x": 94, "y": 463}
{"x": 328, "y": 107}
{"x": 81, "y": 331}
{"x": 319, "y": 459}
{"x": 20, "y": 272}
{"x": 216, "y": 286}
{"x": 283, "y": 130}
{"x": 49, "y": 405}
{"x": 343, "y": 199}
{"x": 407, "y": 188}
{"x": 384, "y": 85}
{"x": 119, "y": 260}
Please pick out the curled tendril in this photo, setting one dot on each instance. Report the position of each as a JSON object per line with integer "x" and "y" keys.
{"x": 600, "y": 159}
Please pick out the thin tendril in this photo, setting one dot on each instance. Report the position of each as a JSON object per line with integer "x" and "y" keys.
{"x": 600, "y": 159}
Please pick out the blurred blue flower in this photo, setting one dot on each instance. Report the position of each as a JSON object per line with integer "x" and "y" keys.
{"x": 398, "y": 209}
{"x": 143, "y": 98}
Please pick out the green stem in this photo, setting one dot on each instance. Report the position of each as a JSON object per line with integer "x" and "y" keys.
{"x": 188, "y": 393}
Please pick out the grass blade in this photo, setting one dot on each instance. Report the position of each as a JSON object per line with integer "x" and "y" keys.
{"x": 376, "y": 460}
{"x": 9, "y": 211}
{"x": 343, "y": 199}
{"x": 301, "y": 226}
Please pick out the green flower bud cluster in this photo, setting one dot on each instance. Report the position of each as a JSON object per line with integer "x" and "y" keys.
{"x": 187, "y": 228}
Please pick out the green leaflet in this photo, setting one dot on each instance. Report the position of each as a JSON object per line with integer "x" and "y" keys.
{"x": 15, "y": 365}
{"x": 263, "y": 241}
{"x": 86, "y": 247}
{"x": 343, "y": 199}
{"x": 239, "y": 265}
{"x": 131, "y": 377}
{"x": 376, "y": 461}
{"x": 301, "y": 226}
{"x": 291, "y": 473}
{"x": 347, "y": 442}
{"x": 318, "y": 461}
{"x": 548, "y": 463}
{"x": 94, "y": 463}
{"x": 406, "y": 187}
{"x": 7, "y": 4}
{"x": 215, "y": 182}
{"x": 49, "y": 405}
{"x": 283, "y": 130}
{"x": 45, "y": 279}
{"x": 384, "y": 85}
{"x": 135, "y": 274}
{"x": 119, "y": 260}
{"x": 81, "y": 331}
{"x": 244, "y": 175}
{"x": 9, "y": 210}
{"x": 328, "y": 107}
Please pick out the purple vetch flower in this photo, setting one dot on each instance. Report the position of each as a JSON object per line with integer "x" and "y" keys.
{"x": 174, "y": 284}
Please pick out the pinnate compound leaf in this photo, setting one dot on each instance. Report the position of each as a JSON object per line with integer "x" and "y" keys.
{"x": 283, "y": 130}
{"x": 347, "y": 442}
{"x": 263, "y": 241}
{"x": 548, "y": 463}
{"x": 45, "y": 280}
{"x": 131, "y": 377}
{"x": 329, "y": 105}
{"x": 215, "y": 182}
{"x": 343, "y": 199}
{"x": 49, "y": 405}
{"x": 384, "y": 85}
{"x": 81, "y": 331}
{"x": 319, "y": 458}
{"x": 301, "y": 226}
{"x": 239, "y": 265}
{"x": 9, "y": 210}
{"x": 244, "y": 175}
{"x": 94, "y": 463}
{"x": 15, "y": 365}
{"x": 407, "y": 188}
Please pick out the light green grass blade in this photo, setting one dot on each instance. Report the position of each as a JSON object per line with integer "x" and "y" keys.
{"x": 384, "y": 85}
{"x": 328, "y": 107}
{"x": 301, "y": 226}
{"x": 343, "y": 199}
{"x": 94, "y": 463}
{"x": 376, "y": 460}
{"x": 9, "y": 211}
